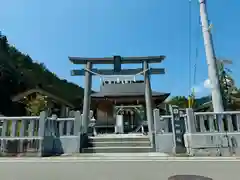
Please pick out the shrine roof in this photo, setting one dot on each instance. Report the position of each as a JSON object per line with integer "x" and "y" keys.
{"x": 24, "y": 94}
{"x": 116, "y": 94}
{"x": 131, "y": 89}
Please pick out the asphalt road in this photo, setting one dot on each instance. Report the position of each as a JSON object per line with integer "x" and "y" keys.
{"x": 112, "y": 170}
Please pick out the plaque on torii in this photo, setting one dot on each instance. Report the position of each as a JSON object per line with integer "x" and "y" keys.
{"x": 117, "y": 62}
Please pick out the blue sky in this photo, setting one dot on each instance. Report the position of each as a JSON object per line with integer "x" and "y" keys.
{"x": 51, "y": 30}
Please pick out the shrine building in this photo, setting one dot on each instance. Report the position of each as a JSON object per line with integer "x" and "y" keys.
{"x": 122, "y": 95}
{"x": 123, "y": 104}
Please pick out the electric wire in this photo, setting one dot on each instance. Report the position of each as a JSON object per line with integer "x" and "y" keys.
{"x": 190, "y": 44}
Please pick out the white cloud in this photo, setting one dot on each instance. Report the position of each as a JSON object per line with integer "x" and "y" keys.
{"x": 202, "y": 88}
{"x": 207, "y": 84}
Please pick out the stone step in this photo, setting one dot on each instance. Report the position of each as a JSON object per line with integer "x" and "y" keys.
{"x": 118, "y": 139}
{"x": 117, "y": 150}
{"x": 122, "y": 144}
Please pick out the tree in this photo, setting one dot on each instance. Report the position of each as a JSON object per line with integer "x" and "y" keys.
{"x": 36, "y": 105}
{"x": 180, "y": 101}
{"x": 18, "y": 73}
{"x": 227, "y": 82}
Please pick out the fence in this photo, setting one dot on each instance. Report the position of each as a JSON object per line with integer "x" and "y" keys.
{"x": 217, "y": 122}
{"x": 40, "y": 135}
{"x": 207, "y": 133}
{"x": 213, "y": 134}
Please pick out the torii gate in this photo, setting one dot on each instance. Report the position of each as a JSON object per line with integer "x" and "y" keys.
{"x": 117, "y": 61}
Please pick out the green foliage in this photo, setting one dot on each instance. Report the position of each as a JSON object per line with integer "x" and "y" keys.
{"x": 180, "y": 101}
{"x": 18, "y": 73}
{"x": 227, "y": 83}
{"x": 9, "y": 128}
{"x": 35, "y": 105}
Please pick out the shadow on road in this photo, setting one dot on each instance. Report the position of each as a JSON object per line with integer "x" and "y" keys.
{"x": 189, "y": 177}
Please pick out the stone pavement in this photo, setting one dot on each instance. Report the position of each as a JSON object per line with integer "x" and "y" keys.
{"x": 115, "y": 168}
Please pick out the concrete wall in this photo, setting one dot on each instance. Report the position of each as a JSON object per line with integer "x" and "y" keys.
{"x": 69, "y": 144}
{"x": 202, "y": 144}
{"x": 164, "y": 142}
{"x": 163, "y": 136}
{"x": 213, "y": 144}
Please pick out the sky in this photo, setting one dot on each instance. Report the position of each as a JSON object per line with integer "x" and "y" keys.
{"x": 51, "y": 30}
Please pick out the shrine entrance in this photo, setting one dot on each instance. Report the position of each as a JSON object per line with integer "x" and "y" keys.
{"x": 133, "y": 117}
{"x": 117, "y": 62}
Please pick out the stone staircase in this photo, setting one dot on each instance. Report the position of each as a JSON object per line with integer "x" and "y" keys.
{"x": 119, "y": 144}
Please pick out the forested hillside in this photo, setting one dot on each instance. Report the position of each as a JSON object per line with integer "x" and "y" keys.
{"x": 18, "y": 72}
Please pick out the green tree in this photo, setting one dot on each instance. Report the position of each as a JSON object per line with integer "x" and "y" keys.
{"x": 180, "y": 101}
{"x": 18, "y": 73}
{"x": 227, "y": 83}
{"x": 36, "y": 105}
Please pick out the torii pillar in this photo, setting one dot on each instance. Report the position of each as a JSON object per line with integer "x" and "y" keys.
{"x": 148, "y": 97}
{"x": 87, "y": 96}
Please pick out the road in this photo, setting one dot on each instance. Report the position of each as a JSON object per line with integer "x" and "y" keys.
{"x": 90, "y": 169}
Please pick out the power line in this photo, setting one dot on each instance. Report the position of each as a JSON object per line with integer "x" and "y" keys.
{"x": 190, "y": 44}
{"x": 197, "y": 51}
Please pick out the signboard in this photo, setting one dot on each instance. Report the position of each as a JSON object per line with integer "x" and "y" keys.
{"x": 178, "y": 126}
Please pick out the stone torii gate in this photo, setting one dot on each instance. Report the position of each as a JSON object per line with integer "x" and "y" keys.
{"x": 117, "y": 61}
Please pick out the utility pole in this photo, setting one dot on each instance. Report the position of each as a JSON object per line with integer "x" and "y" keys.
{"x": 217, "y": 100}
